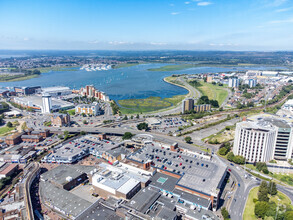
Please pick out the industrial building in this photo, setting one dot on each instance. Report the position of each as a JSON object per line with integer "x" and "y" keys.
{"x": 288, "y": 105}
{"x": 88, "y": 109}
{"x": 35, "y": 102}
{"x": 264, "y": 138}
{"x": 57, "y": 91}
{"x": 27, "y": 90}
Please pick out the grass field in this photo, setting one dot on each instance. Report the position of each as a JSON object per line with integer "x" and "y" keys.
{"x": 71, "y": 111}
{"x": 215, "y": 92}
{"x": 57, "y": 68}
{"x": 133, "y": 106}
{"x": 288, "y": 179}
{"x": 280, "y": 198}
{"x": 5, "y": 130}
{"x": 17, "y": 78}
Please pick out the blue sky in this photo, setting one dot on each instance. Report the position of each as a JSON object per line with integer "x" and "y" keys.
{"x": 147, "y": 24}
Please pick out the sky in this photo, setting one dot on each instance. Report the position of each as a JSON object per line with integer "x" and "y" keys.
{"x": 258, "y": 25}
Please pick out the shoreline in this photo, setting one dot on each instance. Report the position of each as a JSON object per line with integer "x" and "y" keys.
{"x": 22, "y": 78}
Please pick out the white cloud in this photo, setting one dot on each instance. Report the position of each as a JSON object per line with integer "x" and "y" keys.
{"x": 223, "y": 44}
{"x": 118, "y": 42}
{"x": 26, "y": 39}
{"x": 175, "y": 13}
{"x": 204, "y": 3}
{"x": 172, "y": 5}
{"x": 289, "y": 20}
{"x": 284, "y": 9}
{"x": 158, "y": 43}
{"x": 187, "y": 3}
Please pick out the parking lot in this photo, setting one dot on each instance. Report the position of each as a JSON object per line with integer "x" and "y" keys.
{"x": 170, "y": 124}
{"x": 177, "y": 162}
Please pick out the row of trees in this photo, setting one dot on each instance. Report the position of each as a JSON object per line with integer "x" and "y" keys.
{"x": 235, "y": 159}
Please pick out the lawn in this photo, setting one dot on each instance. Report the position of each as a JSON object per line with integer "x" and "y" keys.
{"x": 249, "y": 207}
{"x": 215, "y": 92}
{"x": 5, "y": 130}
{"x": 288, "y": 179}
{"x": 280, "y": 199}
{"x": 71, "y": 111}
{"x": 133, "y": 106}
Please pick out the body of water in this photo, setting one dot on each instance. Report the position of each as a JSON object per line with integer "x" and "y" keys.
{"x": 122, "y": 83}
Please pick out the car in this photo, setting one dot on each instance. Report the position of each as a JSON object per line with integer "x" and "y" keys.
{"x": 229, "y": 170}
{"x": 239, "y": 184}
{"x": 231, "y": 164}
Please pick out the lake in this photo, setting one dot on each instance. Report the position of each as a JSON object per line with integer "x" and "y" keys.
{"x": 122, "y": 83}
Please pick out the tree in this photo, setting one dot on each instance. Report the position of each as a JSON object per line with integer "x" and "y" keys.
{"x": 288, "y": 215}
{"x": 142, "y": 126}
{"x": 66, "y": 133}
{"x": 137, "y": 116}
{"x": 272, "y": 188}
{"x": 187, "y": 139}
{"x": 82, "y": 133}
{"x": 225, "y": 213}
{"x": 127, "y": 136}
{"x": 261, "y": 209}
{"x": 272, "y": 209}
{"x": 223, "y": 151}
{"x": 9, "y": 124}
{"x": 84, "y": 122}
{"x": 131, "y": 117}
{"x": 230, "y": 156}
{"x": 125, "y": 117}
{"x": 263, "y": 192}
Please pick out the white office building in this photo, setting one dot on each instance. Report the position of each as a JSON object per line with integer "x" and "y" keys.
{"x": 47, "y": 103}
{"x": 233, "y": 82}
{"x": 255, "y": 141}
{"x": 264, "y": 139}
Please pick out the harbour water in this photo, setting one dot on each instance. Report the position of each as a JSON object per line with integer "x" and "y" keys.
{"x": 122, "y": 83}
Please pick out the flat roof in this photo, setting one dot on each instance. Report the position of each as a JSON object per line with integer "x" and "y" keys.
{"x": 98, "y": 211}
{"x": 163, "y": 181}
{"x": 200, "y": 201}
{"x": 63, "y": 199}
{"x": 60, "y": 173}
{"x": 55, "y": 89}
{"x": 144, "y": 199}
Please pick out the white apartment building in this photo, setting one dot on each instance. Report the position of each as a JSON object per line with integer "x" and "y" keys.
{"x": 233, "y": 82}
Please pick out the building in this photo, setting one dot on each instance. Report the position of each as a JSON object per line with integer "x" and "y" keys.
{"x": 13, "y": 138}
{"x": 7, "y": 170}
{"x": 35, "y": 102}
{"x": 255, "y": 141}
{"x": 202, "y": 108}
{"x": 60, "y": 120}
{"x": 27, "y": 90}
{"x": 252, "y": 82}
{"x": 233, "y": 82}
{"x": 187, "y": 105}
{"x": 57, "y": 91}
{"x": 269, "y": 73}
{"x": 91, "y": 91}
{"x": 209, "y": 79}
{"x": 31, "y": 138}
{"x": 47, "y": 103}
{"x": 88, "y": 109}
{"x": 288, "y": 105}
{"x": 110, "y": 180}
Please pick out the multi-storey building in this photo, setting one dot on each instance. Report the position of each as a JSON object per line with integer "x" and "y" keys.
{"x": 91, "y": 91}
{"x": 255, "y": 141}
{"x": 187, "y": 105}
{"x": 88, "y": 109}
{"x": 233, "y": 82}
{"x": 60, "y": 120}
{"x": 263, "y": 140}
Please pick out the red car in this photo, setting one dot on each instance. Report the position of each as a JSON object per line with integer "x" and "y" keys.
{"x": 229, "y": 170}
